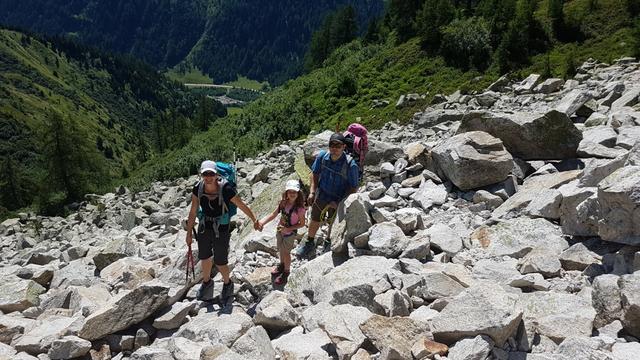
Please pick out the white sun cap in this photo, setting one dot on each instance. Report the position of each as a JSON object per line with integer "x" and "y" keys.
{"x": 292, "y": 185}
{"x": 208, "y": 165}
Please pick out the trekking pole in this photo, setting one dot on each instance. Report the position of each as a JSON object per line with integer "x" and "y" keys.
{"x": 190, "y": 264}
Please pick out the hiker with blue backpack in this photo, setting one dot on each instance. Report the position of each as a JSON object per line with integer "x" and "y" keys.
{"x": 335, "y": 175}
{"x": 215, "y": 197}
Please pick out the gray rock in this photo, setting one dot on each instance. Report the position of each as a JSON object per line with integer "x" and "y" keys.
{"x": 630, "y": 294}
{"x": 483, "y": 196}
{"x": 151, "y": 353}
{"x": 18, "y": 295}
{"x": 606, "y": 299}
{"x": 435, "y": 285}
{"x": 394, "y": 303}
{"x": 578, "y": 257}
{"x": 435, "y": 117}
{"x": 430, "y": 194}
{"x": 572, "y": 101}
{"x": 550, "y": 85}
{"x": 114, "y": 250}
{"x": 542, "y": 261}
{"x": 620, "y": 206}
{"x": 590, "y": 149}
{"x": 602, "y": 135}
{"x": 628, "y": 136}
{"x": 501, "y": 272}
{"x": 69, "y": 347}
{"x": 487, "y": 98}
{"x": 477, "y": 348}
{"x": 124, "y": 311}
{"x": 596, "y": 170}
{"x": 408, "y": 219}
{"x": 533, "y": 281}
{"x": 528, "y": 136}
{"x": 255, "y": 345}
{"x": 628, "y": 98}
{"x": 298, "y": 345}
{"x": 341, "y": 323}
{"x": 174, "y": 316}
{"x": 518, "y": 236}
{"x": 39, "y": 339}
{"x": 596, "y": 119}
{"x": 259, "y": 173}
{"x": 556, "y": 315}
{"x": 543, "y": 203}
{"x": 353, "y": 282}
{"x": 275, "y": 313}
{"x": 579, "y": 211}
{"x": 582, "y": 348}
{"x": 356, "y": 215}
{"x": 473, "y": 159}
{"x": 625, "y": 351}
{"x": 216, "y": 327}
{"x": 386, "y": 239}
{"x": 528, "y": 84}
{"x": 443, "y": 238}
{"x": 484, "y": 309}
{"x": 381, "y": 151}
{"x": 394, "y": 336}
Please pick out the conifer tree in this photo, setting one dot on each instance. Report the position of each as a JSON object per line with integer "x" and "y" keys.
{"x": 73, "y": 164}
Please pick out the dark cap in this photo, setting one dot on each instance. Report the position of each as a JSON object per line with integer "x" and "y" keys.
{"x": 337, "y": 137}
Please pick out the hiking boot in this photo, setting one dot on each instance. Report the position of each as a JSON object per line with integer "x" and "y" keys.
{"x": 227, "y": 292}
{"x": 307, "y": 249}
{"x": 326, "y": 246}
{"x": 282, "y": 278}
{"x": 278, "y": 269}
{"x": 205, "y": 292}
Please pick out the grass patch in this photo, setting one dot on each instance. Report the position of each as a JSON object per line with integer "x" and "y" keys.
{"x": 245, "y": 83}
{"x": 193, "y": 76}
{"x": 232, "y": 110}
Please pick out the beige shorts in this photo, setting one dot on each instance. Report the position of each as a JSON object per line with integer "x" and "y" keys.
{"x": 286, "y": 242}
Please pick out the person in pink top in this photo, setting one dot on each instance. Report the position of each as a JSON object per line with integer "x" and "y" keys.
{"x": 292, "y": 217}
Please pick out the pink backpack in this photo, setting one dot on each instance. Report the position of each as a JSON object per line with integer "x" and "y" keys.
{"x": 357, "y": 143}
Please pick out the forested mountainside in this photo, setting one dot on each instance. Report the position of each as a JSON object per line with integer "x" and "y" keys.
{"x": 421, "y": 51}
{"x": 73, "y": 118}
{"x": 264, "y": 40}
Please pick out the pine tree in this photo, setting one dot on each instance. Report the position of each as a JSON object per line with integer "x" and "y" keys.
{"x": 432, "y": 17}
{"x": 556, "y": 16}
{"x": 372, "y": 35}
{"x": 73, "y": 164}
{"x": 401, "y": 17}
{"x": 11, "y": 185}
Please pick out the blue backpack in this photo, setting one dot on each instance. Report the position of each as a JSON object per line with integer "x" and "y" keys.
{"x": 227, "y": 174}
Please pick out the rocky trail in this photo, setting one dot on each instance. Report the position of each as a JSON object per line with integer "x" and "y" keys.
{"x": 500, "y": 225}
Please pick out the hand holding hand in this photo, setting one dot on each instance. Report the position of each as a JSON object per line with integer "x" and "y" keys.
{"x": 311, "y": 198}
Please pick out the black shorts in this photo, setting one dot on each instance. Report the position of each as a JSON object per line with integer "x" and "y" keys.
{"x": 210, "y": 245}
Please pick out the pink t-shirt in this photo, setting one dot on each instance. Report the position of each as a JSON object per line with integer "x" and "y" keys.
{"x": 295, "y": 217}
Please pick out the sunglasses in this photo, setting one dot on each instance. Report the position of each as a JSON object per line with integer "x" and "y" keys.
{"x": 335, "y": 145}
{"x": 208, "y": 173}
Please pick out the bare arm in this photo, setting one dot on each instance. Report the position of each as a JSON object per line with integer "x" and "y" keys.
{"x": 267, "y": 219}
{"x": 237, "y": 201}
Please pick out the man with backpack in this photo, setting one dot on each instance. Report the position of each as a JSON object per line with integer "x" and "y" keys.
{"x": 335, "y": 176}
{"x": 215, "y": 196}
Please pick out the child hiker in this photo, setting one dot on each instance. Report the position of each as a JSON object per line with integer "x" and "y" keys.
{"x": 292, "y": 217}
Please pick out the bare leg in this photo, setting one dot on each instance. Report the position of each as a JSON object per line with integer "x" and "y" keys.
{"x": 224, "y": 271}
{"x": 206, "y": 269}
{"x": 313, "y": 228}
{"x": 285, "y": 258}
